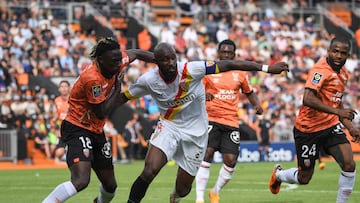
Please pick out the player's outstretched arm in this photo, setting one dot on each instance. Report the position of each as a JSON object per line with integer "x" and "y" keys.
{"x": 140, "y": 54}
{"x": 226, "y": 65}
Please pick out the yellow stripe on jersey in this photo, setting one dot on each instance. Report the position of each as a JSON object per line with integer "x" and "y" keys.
{"x": 129, "y": 96}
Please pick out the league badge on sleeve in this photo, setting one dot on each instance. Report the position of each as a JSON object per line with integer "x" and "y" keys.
{"x": 316, "y": 78}
{"x": 96, "y": 90}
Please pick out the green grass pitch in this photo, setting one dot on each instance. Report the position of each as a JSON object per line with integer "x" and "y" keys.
{"x": 249, "y": 185}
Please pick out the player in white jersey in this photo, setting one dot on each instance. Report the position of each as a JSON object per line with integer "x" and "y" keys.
{"x": 181, "y": 133}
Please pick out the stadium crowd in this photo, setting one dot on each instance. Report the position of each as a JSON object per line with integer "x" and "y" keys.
{"x": 34, "y": 43}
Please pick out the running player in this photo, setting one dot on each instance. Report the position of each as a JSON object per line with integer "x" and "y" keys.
{"x": 317, "y": 124}
{"x": 181, "y": 133}
{"x": 90, "y": 102}
{"x": 223, "y": 96}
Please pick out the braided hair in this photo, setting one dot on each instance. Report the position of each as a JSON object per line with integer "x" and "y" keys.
{"x": 102, "y": 46}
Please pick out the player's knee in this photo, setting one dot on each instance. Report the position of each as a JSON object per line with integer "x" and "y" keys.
{"x": 183, "y": 191}
{"x": 81, "y": 183}
{"x": 230, "y": 163}
{"x": 304, "y": 178}
{"x": 149, "y": 174}
{"x": 349, "y": 166}
{"x": 110, "y": 187}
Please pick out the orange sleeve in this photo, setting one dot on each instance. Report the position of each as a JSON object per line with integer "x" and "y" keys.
{"x": 245, "y": 85}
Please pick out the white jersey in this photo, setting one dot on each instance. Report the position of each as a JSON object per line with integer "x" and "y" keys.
{"x": 182, "y": 101}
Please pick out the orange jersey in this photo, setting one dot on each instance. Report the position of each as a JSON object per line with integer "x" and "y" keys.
{"x": 90, "y": 88}
{"x": 225, "y": 89}
{"x": 330, "y": 87}
{"x": 62, "y": 107}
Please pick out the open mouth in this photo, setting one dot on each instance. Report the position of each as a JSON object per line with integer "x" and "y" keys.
{"x": 337, "y": 62}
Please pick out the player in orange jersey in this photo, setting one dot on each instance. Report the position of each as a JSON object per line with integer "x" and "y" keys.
{"x": 223, "y": 95}
{"x": 91, "y": 101}
{"x": 318, "y": 124}
{"x": 62, "y": 107}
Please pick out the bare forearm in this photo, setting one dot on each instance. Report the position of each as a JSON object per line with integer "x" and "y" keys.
{"x": 141, "y": 55}
{"x": 226, "y": 65}
{"x": 312, "y": 101}
{"x": 254, "y": 100}
{"x": 104, "y": 109}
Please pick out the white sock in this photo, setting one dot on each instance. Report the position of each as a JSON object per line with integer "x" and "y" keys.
{"x": 346, "y": 184}
{"x": 104, "y": 196}
{"x": 61, "y": 193}
{"x": 225, "y": 175}
{"x": 288, "y": 176}
{"x": 202, "y": 178}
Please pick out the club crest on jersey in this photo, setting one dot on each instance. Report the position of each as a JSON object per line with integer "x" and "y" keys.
{"x": 235, "y": 137}
{"x": 86, "y": 153}
{"x": 316, "y": 78}
{"x": 106, "y": 150}
{"x": 96, "y": 90}
{"x": 307, "y": 162}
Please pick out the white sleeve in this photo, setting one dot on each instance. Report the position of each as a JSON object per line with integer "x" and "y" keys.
{"x": 139, "y": 88}
{"x": 197, "y": 69}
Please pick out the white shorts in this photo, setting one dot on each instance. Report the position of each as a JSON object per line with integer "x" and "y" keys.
{"x": 187, "y": 150}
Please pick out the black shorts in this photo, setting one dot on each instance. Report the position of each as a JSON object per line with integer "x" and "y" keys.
{"x": 60, "y": 144}
{"x": 223, "y": 138}
{"x": 84, "y": 145}
{"x": 308, "y": 145}
{"x": 265, "y": 140}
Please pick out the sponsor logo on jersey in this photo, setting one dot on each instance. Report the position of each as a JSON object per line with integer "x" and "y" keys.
{"x": 181, "y": 101}
{"x": 316, "y": 78}
{"x": 96, "y": 90}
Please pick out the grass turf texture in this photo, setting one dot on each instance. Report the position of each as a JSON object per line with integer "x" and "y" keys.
{"x": 249, "y": 184}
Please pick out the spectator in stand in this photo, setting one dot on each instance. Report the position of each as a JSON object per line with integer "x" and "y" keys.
{"x": 357, "y": 38}
{"x": 180, "y": 43}
{"x": 211, "y": 26}
{"x": 67, "y": 65}
{"x": 41, "y": 142}
{"x": 154, "y": 112}
{"x": 132, "y": 136}
{"x": 120, "y": 143}
{"x": 166, "y": 35}
{"x": 190, "y": 35}
{"x": 289, "y": 6}
{"x": 251, "y": 8}
{"x": 352, "y": 63}
{"x": 185, "y": 5}
{"x": 173, "y": 23}
{"x": 215, "y": 9}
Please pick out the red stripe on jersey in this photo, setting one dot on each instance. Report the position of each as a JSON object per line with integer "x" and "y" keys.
{"x": 180, "y": 91}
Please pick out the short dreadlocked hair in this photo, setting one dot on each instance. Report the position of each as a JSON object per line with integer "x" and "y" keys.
{"x": 102, "y": 46}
